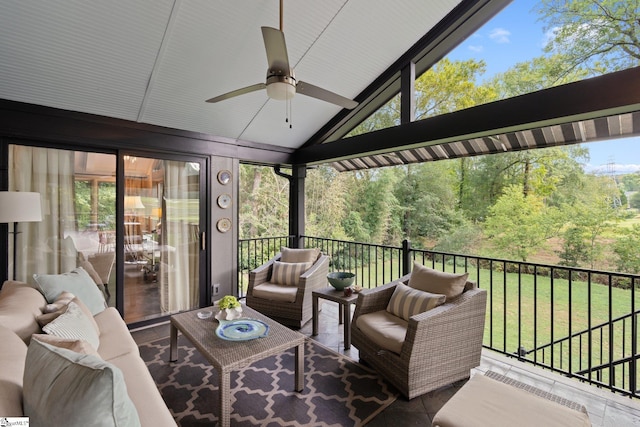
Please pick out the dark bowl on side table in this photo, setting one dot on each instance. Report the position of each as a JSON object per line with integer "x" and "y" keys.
{"x": 341, "y": 279}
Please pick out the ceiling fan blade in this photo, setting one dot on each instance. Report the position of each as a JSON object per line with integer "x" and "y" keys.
{"x": 237, "y": 92}
{"x": 325, "y": 95}
{"x": 276, "y": 48}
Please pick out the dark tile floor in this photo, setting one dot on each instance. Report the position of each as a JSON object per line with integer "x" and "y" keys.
{"x": 605, "y": 409}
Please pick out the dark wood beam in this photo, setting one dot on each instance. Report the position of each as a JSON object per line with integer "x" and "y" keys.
{"x": 614, "y": 93}
{"x": 38, "y": 123}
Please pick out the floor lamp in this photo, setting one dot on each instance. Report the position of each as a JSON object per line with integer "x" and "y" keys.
{"x": 19, "y": 206}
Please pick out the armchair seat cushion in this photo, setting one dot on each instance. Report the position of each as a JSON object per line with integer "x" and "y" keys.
{"x": 384, "y": 329}
{"x": 275, "y": 292}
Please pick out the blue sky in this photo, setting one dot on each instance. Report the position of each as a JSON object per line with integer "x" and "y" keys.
{"x": 515, "y": 35}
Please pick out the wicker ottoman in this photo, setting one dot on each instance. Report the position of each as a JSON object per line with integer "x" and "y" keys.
{"x": 495, "y": 400}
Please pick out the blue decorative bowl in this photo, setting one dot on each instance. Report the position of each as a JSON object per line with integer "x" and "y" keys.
{"x": 341, "y": 279}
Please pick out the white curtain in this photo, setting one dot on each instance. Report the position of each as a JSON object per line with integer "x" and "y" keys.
{"x": 179, "y": 278}
{"x": 41, "y": 246}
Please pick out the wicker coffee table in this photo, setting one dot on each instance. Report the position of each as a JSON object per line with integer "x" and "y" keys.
{"x": 226, "y": 356}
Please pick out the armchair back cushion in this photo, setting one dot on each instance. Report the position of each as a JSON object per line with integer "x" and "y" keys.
{"x": 299, "y": 255}
{"x": 437, "y": 282}
{"x": 406, "y": 301}
{"x": 288, "y": 273}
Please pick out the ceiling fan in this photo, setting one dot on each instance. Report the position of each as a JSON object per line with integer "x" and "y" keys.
{"x": 281, "y": 83}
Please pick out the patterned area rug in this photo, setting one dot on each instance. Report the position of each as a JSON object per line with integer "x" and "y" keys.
{"x": 338, "y": 391}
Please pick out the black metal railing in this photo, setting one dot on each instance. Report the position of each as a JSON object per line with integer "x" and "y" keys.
{"x": 579, "y": 322}
{"x": 253, "y": 253}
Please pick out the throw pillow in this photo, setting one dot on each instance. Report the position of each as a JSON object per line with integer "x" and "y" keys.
{"x": 299, "y": 255}
{"x": 288, "y": 273}
{"x": 77, "y": 345}
{"x": 64, "y": 388}
{"x": 45, "y": 319}
{"x": 73, "y": 323}
{"x": 61, "y": 301}
{"x": 406, "y": 302}
{"x": 437, "y": 282}
{"x": 76, "y": 281}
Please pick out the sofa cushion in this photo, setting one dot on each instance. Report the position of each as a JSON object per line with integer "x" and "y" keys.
{"x": 299, "y": 255}
{"x": 288, "y": 273}
{"x": 406, "y": 301}
{"x": 20, "y": 304}
{"x": 73, "y": 344}
{"x": 62, "y": 387}
{"x": 12, "y": 356}
{"x": 75, "y": 324}
{"x": 275, "y": 292}
{"x": 437, "y": 282}
{"x": 78, "y": 282}
{"x": 115, "y": 339}
{"x": 384, "y": 329}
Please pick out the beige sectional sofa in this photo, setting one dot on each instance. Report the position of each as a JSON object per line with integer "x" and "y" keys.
{"x": 20, "y": 305}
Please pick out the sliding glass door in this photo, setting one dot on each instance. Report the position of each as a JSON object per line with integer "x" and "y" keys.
{"x": 150, "y": 268}
{"x": 162, "y": 237}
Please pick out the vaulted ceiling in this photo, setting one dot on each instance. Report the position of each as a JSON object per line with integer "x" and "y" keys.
{"x": 157, "y": 61}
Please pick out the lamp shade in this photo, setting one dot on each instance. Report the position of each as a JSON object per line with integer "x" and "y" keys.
{"x": 133, "y": 202}
{"x": 20, "y": 206}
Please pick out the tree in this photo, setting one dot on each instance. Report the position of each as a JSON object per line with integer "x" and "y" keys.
{"x": 539, "y": 73}
{"x": 428, "y": 200}
{"x": 544, "y": 172}
{"x": 519, "y": 225}
{"x": 631, "y": 181}
{"x": 450, "y": 86}
{"x": 328, "y": 194}
{"x": 597, "y": 35}
{"x": 575, "y": 249}
{"x": 264, "y": 202}
{"x": 626, "y": 250}
{"x": 592, "y": 215}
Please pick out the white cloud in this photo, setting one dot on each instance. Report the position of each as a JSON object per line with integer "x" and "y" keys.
{"x": 476, "y": 48}
{"x": 500, "y": 35}
{"x": 611, "y": 169}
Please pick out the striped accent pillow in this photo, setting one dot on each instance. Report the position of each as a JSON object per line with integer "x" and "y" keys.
{"x": 73, "y": 323}
{"x": 288, "y": 273}
{"x": 406, "y": 302}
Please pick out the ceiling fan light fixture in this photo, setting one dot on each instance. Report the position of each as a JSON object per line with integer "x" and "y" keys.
{"x": 281, "y": 87}
{"x": 281, "y": 91}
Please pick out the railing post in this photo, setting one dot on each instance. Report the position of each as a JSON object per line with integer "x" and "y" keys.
{"x": 406, "y": 257}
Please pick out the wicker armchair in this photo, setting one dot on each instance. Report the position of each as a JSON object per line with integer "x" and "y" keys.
{"x": 441, "y": 345}
{"x": 294, "y": 314}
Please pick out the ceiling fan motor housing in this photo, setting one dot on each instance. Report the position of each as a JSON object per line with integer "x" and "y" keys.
{"x": 280, "y": 86}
